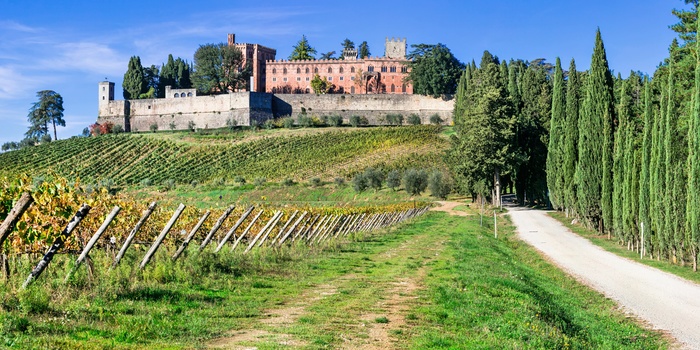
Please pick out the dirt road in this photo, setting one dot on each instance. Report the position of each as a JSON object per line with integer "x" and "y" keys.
{"x": 663, "y": 300}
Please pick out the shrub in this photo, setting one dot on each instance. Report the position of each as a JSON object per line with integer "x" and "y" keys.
{"x": 231, "y": 123}
{"x": 304, "y": 121}
{"x": 254, "y": 124}
{"x": 153, "y": 127}
{"x": 117, "y": 129}
{"x": 415, "y": 181}
{"x": 168, "y": 184}
{"x": 394, "y": 119}
{"x": 239, "y": 179}
{"x": 146, "y": 182}
{"x": 316, "y": 121}
{"x": 288, "y": 182}
{"x": 288, "y": 122}
{"x": 194, "y": 183}
{"x": 191, "y": 125}
{"x": 354, "y": 121}
{"x": 33, "y": 300}
{"x": 360, "y": 183}
{"x": 172, "y": 125}
{"x": 334, "y": 120}
{"x": 438, "y": 185}
{"x": 435, "y": 119}
{"x": 316, "y": 181}
{"x": 269, "y": 124}
{"x": 414, "y": 119}
{"x": 46, "y": 138}
{"x": 221, "y": 181}
{"x": 339, "y": 181}
{"x": 374, "y": 178}
{"x": 393, "y": 179}
{"x": 259, "y": 181}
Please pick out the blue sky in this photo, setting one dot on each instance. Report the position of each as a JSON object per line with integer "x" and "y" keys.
{"x": 69, "y": 46}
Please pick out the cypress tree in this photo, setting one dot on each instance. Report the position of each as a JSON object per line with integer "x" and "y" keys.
{"x": 570, "y": 156}
{"x": 594, "y": 169}
{"x": 461, "y": 97}
{"x": 134, "y": 83}
{"x": 555, "y": 166}
{"x": 658, "y": 177}
{"x": 503, "y": 70}
{"x": 629, "y": 164}
{"x": 693, "y": 199}
{"x": 644, "y": 187}
{"x": 619, "y": 169}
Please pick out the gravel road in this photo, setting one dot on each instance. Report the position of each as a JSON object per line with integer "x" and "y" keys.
{"x": 665, "y": 301}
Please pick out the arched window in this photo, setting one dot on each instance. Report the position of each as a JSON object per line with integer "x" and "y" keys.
{"x": 177, "y": 95}
{"x": 284, "y": 71}
{"x": 330, "y": 70}
{"x": 370, "y": 69}
{"x": 307, "y": 70}
{"x": 316, "y": 70}
{"x": 274, "y": 70}
{"x": 189, "y": 94}
{"x": 383, "y": 69}
{"x": 404, "y": 69}
{"x": 352, "y": 69}
{"x": 393, "y": 88}
{"x": 298, "y": 70}
{"x": 182, "y": 94}
{"x": 340, "y": 70}
{"x": 308, "y": 91}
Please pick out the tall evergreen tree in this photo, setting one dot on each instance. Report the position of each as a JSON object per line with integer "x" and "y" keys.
{"x": 624, "y": 112}
{"x": 302, "y": 50}
{"x": 658, "y": 177}
{"x": 570, "y": 156}
{"x": 644, "y": 187}
{"x": 364, "y": 50}
{"x": 555, "y": 150}
{"x": 594, "y": 169}
{"x": 692, "y": 223}
{"x": 48, "y": 109}
{"x": 134, "y": 83}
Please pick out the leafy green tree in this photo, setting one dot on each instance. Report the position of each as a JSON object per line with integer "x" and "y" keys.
{"x": 134, "y": 83}
{"x": 48, "y": 109}
{"x": 364, "y": 50}
{"x": 438, "y": 185}
{"x": 555, "y": 150}
{"x": 594, "y": 168}
{"x": 415, "y": 181}
{"x": 327, "y": 55}
{"x": 347, "y": 44}
{"x": 184, "y": 71}
{"x": 302, "y": 50}
{"x": 393, "y": 179}
{"x": 219, "y": 68}
{"x": 321, "y": 85}
{"x": 570, "y": 156}
{"x": 151, "y": 74}
{"x": 374, "y": 178}
{"x": 360, "y": 183}
{"x": 435, "y": 71}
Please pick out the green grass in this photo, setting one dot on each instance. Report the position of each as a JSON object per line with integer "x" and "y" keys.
{"x": 613, "y": 247}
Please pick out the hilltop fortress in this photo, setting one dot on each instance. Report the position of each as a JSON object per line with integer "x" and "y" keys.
{"x": 371, "y": 87}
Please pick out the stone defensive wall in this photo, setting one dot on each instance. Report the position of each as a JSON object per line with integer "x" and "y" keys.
{"x": 205, "y": 111}
{"x": 373, "y": 107}
{"x": 214, "y": 111}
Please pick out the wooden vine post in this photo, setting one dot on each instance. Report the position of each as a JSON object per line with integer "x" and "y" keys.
{"x": 57, "y": 244}
{"x": 189, "y": 237}
{"x": 92, "y": 242}
{"x": 215, "y": 228}
{"x": 9, "y": 223}
{"x": 262, "y": 231}
{"x": 245, "y": 232}
{"x": 132, "y": 234}
{"x": 233, "y": 229}
{"x": 161, "y": 237}
{"x": 272, "y": 227}
{"x": 284, "y": 238}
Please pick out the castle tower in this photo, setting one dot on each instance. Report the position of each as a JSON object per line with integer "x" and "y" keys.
{"x": 105, "y": 93}
{"x": 395, "y": 48}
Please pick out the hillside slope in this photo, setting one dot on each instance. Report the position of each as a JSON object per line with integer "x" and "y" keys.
{"x": 130, "y": 158}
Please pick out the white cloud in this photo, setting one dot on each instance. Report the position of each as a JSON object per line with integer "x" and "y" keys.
{"x": 14, "y": 84}
{"x": 87, "y": 57}
{"x": 17, "y": 27}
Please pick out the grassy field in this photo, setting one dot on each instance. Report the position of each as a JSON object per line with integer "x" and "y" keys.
{"x": 612, "y": 246}
{"x": 438, "y": 282}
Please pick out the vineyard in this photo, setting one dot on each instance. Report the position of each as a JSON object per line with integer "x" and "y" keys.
{"x": 129, "y": 159}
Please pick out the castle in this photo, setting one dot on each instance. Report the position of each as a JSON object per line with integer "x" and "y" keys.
{"x": 372, "y": 87}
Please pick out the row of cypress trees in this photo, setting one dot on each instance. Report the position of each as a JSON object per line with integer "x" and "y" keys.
{"x": 626, "y": 160}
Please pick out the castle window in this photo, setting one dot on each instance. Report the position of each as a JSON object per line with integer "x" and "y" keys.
{"x": 149, "y": 107}
{"x": 392, "y": 69}
{"x": 352, "y": 69}
{"x": 403, "y": 88}
{"x": 352, "y": 89}
{"x": 298, "y": 70}
{"x": 352, "y": 77}
{"x": 404, "y": 69}
{"x": 340, "y": 70}
{"x": 103, "y": 98}
{"x": 285, "y": 79}
{"x": 307, "y": 70}
{"x": 316, "y": 70}
{"x": 330, "y": 78}
{"x": 177, "y": 95}
{"x": 307, "y": 78}
{"x": 370, "y": 69}
{"x": 274, "y": 79}
{"x": 189, "y": 94}
{"x": 341, "y": 78}
{"x": 284, "y": 71}
{"x": 182, "y": 94}
{"x": 383, "y": 69}
{"x": 103, "y": 88}
{"x": 393, "y": 88}
{"x": 274, "y": 70}
{"x": 307, "y": 90}
{"x": 298, "y": 78}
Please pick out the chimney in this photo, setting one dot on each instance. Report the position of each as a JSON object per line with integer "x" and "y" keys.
{"x": 231, "y": 39}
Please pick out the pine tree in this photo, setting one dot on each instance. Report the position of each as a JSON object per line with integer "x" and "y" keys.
{"x": 302, "y": 50}
{"x": 645, "y": 175}
{"x": 692, "y": 223}
{"x": 594, "y": 169}
{"x": 134, "y": 80}
{"x": 555, "y": 166}
{"x": 570, "y": 156}
{"x": 364, "y": 50}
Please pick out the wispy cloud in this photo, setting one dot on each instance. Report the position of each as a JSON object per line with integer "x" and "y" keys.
{"x": 17, "y": 27}
{"x": 14, "y": 84}
{"x": 86, "y": 57}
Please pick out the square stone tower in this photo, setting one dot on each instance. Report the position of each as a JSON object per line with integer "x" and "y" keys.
{"x": 395, "y": 48}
